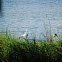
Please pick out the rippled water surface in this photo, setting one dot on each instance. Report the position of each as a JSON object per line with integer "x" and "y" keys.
{"x": 38, "y": 15}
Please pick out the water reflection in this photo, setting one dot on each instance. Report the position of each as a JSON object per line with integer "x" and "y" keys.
{"x": 1, "y": 13}
{"x": 0, "y": 5}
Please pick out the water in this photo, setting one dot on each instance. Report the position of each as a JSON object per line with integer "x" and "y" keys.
{"x": 38, "y": 15}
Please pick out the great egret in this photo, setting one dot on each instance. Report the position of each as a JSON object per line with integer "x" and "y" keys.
{"x": 25, "y": 34}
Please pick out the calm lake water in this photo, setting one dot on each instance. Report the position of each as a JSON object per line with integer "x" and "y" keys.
{"x": 38, "y": 15}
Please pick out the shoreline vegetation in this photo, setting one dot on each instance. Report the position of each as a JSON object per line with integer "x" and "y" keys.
{"x": 18, "y": 50}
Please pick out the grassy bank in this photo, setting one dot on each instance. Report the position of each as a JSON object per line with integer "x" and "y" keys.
{"x": 16, "y": 50}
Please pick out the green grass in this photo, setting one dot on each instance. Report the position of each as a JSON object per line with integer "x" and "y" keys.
{"x": 16, "y": 50}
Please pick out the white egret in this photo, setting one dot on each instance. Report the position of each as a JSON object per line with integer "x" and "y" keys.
{"x": 25, "y": 34}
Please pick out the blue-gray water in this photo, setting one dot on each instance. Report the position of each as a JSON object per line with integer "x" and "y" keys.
{"x": 38, "y": 15}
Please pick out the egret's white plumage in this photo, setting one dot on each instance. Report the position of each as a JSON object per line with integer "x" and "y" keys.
{"x": 24, "y": 33}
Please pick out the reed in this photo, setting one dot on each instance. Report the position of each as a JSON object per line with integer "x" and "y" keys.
{"x": 16, "y": 50}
